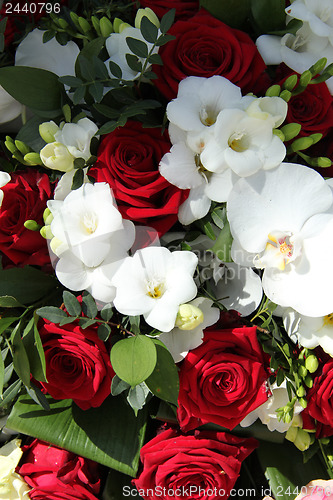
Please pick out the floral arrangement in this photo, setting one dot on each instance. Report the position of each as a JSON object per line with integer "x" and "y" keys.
{"x": 166, "y": 239}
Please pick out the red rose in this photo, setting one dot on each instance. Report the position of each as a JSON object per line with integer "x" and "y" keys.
{"x": 223, "y": 379}
{"x": 128, "y": 160}
{"x": 319, "y": 398}
{"x": 205, "y": 46}
{"x": 313, "y": 108}
{"x": 200, "y": 466}
{"x": 78, "y": 364}
{"x": 25, "y": 198}
{"x": 53, "y": 473}
{"x": 184, "y": 8}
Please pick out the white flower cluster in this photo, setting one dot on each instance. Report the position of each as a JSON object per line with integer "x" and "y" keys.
{"x": 218, "y": 136}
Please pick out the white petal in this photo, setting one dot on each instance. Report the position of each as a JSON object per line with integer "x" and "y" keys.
{"x": 269, "y": 47}
{"x": 195, "y": 207}
{"x": 220, "y": 185}
{"x": 178, "y": 167}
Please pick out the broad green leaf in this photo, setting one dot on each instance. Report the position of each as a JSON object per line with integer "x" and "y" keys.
{"x": 89, "y": 307}
{"x": 134, "y": 359}
{"x": 8, "y": 373}
{"x": 232, "y": 12}
{"x": 222, "y": 246}
{"x": 72, "y": 305}
{"x": 138, "y": 47}
{"x": 110, "y": 434}
{"x": 34, "y": 87}
{"x": 164, "y": 381}
{"x": 167, "y": 21}
{"x": 285, "y": 470}
{"x": 10, "y": 393}
{"x": 149, "y": 30}
{"x": 26, "y": 284}
{"x": 29, "y": 134}
{"x": 119, "y": 487}
{"x": 269, "y": 15}
{"x": 51, "y": 313}
{"x": 20, "y": 358}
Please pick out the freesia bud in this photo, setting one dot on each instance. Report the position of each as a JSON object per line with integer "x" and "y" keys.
{"x": 279, "y": 134}
{"x": 311, "y": 363}
{"x": 305, "y": 78}
{"x": 147, "y": 12}
{"x": 105, "y": 26}
{"x": 285, "y": 95}
{"x": 290, "y": 83}
{"x": 301, "y": 391}
{"x": 273, "y": 91}
{"x": 47, "y": 216}
{"x": 189, "y": 317}
{"x": 318, "y": 66}
{"x": 57, "y": 157}
{"x": 291, "y": 130}
{"x": 301, "y": 143}
{"x": 47, "y": 131}
{"x": 23, "y": 148}
{"x": 31, "y": 225}
{"x": 33, "y": 158}
{"x": 46, "y": 232}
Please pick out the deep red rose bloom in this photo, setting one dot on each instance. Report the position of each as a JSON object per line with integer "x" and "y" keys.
{"x": 202, "y": 466}
{"x": 205, "y": 46}
{"x": 25, "y": 198}
{"x": 319, "y": 398}
{"x": 184, "y": 8}
{"x": 56, "y": 474}
{"x": 223, "y": 379}
{"x": 128, "y": 160}
{"x": 78, "y": 364}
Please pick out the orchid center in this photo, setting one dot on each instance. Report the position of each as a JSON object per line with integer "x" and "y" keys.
{"x": 280, "y": 250}
{"x": 155, "y": 288}
{"x": 328, "y": 320}
{"x": 89, "y": 223}
{"x": 207, "y": 116}
{"x": 239, "y": 141}
{"x": 206, "y": 174}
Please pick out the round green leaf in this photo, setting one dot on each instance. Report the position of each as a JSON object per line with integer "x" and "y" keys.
{"x": 134, "y": 359}
{"x": 164, "y": 381}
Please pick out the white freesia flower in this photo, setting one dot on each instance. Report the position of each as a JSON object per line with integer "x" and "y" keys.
{"x": 64, "y": 186}
{"x": 319, "y": 15}
{"x": 77, "y": 137}
{"x": 278, "y": 215}
{"x": 179, "y": 341}
{"x": 117, "y": 48}
{"x": 154, "y": 282}
{"x": 60, "y": 59}
{"x": 12, "y": 485}
{"x": 57, "y": 157}
{"x": 4, "y": 179}
{"x": 267, "y": 411}
{"x": 309, "y": 332}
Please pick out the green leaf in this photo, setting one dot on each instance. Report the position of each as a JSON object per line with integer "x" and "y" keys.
{"x": 219, "y": 217}
{"x": 149, "y": 30}
{"x": 79, "y": 94}
{"x": 164, "y": 381}
{"x": 163, "y": 39}
{"x": 71, "y": 81}
{"x": 134, "y": 359}
{"x": 222, "y": 246}
{"x": 34, "y": 87}
{"x": 118, "y": 386}
{"x": 26, "y": 284}
{"x": 209, "y": 231}
{"x": 72, "y": 305}
{"x": 232, "y": 12}
{"x": 78, "y": 179}
{"x": 65, "y": 425}
{"x": 104, "y": 332}
{"x": 108, "y": 127}
{"x": 10, "y": 393}
{"x": 135, "y": 324}
{"x": 269, "y": 15}
{"x": 34, "y": 349}
{"x": 20, "y": 358}
{"x": 9, "y": 301}
{"x": 86, "y": 68}
{"x": 52, "y": 313}
{"x": 96, "y": 90}
{"x": 48, "y": 35}
{"x": 138, "y": 47}
{"x": 89, "y": 307}
{"x": 2, "y": 375}
{"x": 106, "y": 110}
{"x": 5, "y": 323}
{"x": 133, "y": 62}
{"x": 36, "y": 394}
{"x": 115, "y": 69}
{"x": 155, "y": 59}
{"x": 85, "y": 323}
{"x": 29, "y": 134}
{"x": 107, "y": 312}
{"x": 137, "y": 396}
{"x": 8, "y": 373}
{"x": 167, "y": 21}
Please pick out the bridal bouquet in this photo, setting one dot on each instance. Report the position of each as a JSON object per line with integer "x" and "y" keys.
{"x": 166, "y": 239}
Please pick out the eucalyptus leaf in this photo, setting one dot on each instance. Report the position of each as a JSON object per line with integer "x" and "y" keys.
{"x": 134, "y": 359}
{"x": 137, "y": 396}
{"x": 71, "y": 303}
{"x": 108, "y": 127}
{"x": 51, "y": 313}
{"x": 164, "y": 381}
{"x": 67, "y": 426}
{"x": 149, "y": 30}
{"x": 71, "y": 81}
{"x": 79, "y": 94}
{"x": 35, "y": 352}
{"x": 133, "y": 62}
{"x": 96, "y": 90}
{"x": 104, "y": 332}
{"x": 115, "y": 69}
{"x": 107, "y": 312}
{"x": 138, "y": 47}
{"x": 118, "y": 386}
{"x": 167, "y": 21}
{"x": 89, "y": 307}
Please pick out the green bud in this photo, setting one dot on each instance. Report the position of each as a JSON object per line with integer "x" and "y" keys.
{"x": 302, "y": 371}
{"x": 301, "y": 391}
{"x": 47, "y": 131}
{"x": 10, "y": 146}
{"x": 288, "y": 417}
{"x": 329, "y": 70}
{"x": 278, "y": 132}
{"x": 84, "y": 25}
{"x": 308, "y": 381}
{"x": 290, "y": 83}
{"x": 305, "y": 78}
{"x": 303, "y": 440}
{"x": 324, "y": 440}
{"x": 95, "y": 23}
{"x": 116, "y": 24}
{"x": 323, "y": 162}
{"x": 67, "y": 113}
{"x": 47, "y": 216}
{"x": 273, "y": 91}
{"x": 105, "y": 27}
{"x": 23, "y": 148}
{"x": 19, "y": 157}
{"x": 62, "y": 23}
{"x": 285, "y": 95}
{"x": 291, "y": 130}
{"x": 303, "y": 402}
{"x": 46, "y": 232}
{"x": 291, "y": 434}
{"x": 75, "y": 19}
{"x": 188, "y": 317}
{"x": 316, "y": 137}
{"x": 301, "y": 143}
{"x": 318, "y": 66}
{"x": 311, "y": 363}
{"x": 33, "y": 158}
{"x": 32, "y": 225}
{"x": 147, "y": 12}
